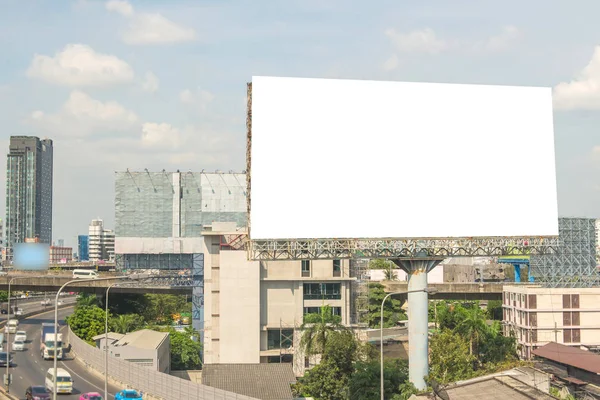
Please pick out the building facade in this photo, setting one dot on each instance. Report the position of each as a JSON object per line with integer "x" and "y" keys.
{"x": 159, "y": 218}
{"x": 537, "y": 316}
{"x": 101, "y": 242}
{"x": 83, "y": 251}
{"x": 29, "y": 174}
{"x": 60, "y": 255}
{"x": 268, "y": 301}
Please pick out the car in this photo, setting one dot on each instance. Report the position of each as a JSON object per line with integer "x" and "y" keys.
{"x": 4, "y": 311}
{"x": 129, "y": 394}
{"x": 60, "y": 303}
{"x": 18, "y": 345}
{"x": 19, "y": 311}
{"x": 45, "y": 302}
{"x": 90, "y": 396}
{"x": 21, "y": 336}
{"x": 37, "y": 392}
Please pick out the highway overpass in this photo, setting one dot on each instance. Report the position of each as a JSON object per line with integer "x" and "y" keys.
{"x": 181, "y": 285}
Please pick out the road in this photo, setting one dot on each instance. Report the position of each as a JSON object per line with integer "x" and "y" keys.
{"x": 30, "y": 368}
{"x": 30, "y": 305}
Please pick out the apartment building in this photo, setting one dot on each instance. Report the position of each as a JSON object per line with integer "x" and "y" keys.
{"x": 101, "y": 242}
{"x": 537, "y": 316}
{"x": 60, "y": 254}
{"x": 253, "y": 310}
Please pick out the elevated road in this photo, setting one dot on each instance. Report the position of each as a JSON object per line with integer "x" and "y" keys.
{"x": 455, "y": 291}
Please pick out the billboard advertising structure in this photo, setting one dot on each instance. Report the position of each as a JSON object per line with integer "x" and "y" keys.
{"x": 367, "y": 159}
{"x": 31, "y": 256}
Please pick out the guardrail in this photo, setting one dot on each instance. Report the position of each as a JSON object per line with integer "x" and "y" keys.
{"x": 148, "y": 380}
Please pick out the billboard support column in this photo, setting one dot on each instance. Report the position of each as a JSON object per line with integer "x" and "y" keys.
{"x": 517, "y": 272}
{"x": 418, "y": 317}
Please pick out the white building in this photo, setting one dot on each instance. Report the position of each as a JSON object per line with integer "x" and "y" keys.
{"x": 144, "y": 347}
{"x": 253, "y": 309}
{"x": 539, "y": 315}
{"x": 101, "y": 242}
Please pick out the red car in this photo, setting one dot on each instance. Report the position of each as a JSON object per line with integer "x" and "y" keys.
{"x": 90, "y": 396}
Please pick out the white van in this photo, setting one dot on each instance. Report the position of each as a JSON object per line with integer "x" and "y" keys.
{"x": 64, "y": 382}
{"x": 11, "y": 326}
{"x": 84, "y": 273}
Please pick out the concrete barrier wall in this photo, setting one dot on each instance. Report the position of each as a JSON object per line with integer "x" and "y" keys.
{"x": 149, "y": 381}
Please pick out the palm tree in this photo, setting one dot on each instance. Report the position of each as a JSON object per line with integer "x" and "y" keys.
{"x": 317, "y": 328}
{"x": 124, "y": 323}
{"x": 86, "y": 300}
{"x": 389, "y": 273}
{"x": 473, "y": 326}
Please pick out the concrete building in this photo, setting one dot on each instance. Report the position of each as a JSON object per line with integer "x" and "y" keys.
{"x": 538, "y": 316}
{"x": 144, "y": 347}
{"x": 83, "y": 250}
{"x": 160, "y": 216}
{"x": 101, "y": 242}
{"x": 60, "y": 254}
{"x": 267, "y": 301}
{"x": 29, "y": 171}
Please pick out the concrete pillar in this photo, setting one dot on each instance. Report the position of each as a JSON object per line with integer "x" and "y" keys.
{"x": 418, "y": 319}
{"x": 517, "y": 272}
{"x": 530, "y": 277}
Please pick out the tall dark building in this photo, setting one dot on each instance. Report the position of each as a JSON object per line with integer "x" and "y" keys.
{"x": 29, "y": 168}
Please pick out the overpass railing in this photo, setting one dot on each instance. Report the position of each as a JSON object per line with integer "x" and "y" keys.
{"x": 146, "y": 379}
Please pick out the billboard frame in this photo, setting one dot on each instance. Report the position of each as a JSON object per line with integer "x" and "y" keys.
{"x": 392, "y": 248}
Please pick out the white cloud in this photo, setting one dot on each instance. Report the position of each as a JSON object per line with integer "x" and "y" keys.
{"x": 502, "y": 41}
{"x": 80, "y": 65}
{"x": 200, "y": 98}
{"x": 417, "y": 41}
{"x": 150, "y": 83}
{"x": 391, "y": 63}
{"x": 583, "y": 92}
{"x": 120, "y": 6}
{"x": 81, "y": 115}
{"x": 161, "y": 136}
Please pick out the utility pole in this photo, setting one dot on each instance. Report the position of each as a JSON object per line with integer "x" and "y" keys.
{"x": 555, "y": 333}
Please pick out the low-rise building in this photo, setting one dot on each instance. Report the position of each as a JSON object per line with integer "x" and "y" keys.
{"x": 538, "y": 316}
{"x": 261, "y": 381}
{"x": 60, "y": 254}
{"x": 144, "y": 347}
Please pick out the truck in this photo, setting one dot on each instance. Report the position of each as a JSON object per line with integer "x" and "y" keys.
{"x": 11, "y": 326}
{"x": 50, "y": 342}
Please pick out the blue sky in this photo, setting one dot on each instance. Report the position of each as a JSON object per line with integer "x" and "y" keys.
{"x": 161, "y": 84}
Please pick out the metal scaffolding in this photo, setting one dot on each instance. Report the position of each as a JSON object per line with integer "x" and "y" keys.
{"x": 359, "y": 291}
{"x": 574, "y": 262}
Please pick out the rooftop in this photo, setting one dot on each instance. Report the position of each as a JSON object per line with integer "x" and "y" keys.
{"x": 571, "y": 356}
{"x": 261, "y": 381}
{"x": 143, "y": 339}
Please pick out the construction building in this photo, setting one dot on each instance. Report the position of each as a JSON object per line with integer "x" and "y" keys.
{"x": 29, "y": 170}
{"x": 540, "y": 315}
{"x": 101, "y": 242}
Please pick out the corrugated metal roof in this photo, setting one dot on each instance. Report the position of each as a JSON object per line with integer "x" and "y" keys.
{"x": 571, "y": 356}
{"x": 261, "y": 381}
{"x": 111, "y": 336}
{"x": 143, "y": 339}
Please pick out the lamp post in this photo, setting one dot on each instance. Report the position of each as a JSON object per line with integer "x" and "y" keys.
{"x": 426, "y": 290}
{"x": 56, "y": 319}
{"x": 106, "y": 342}
{"x": 8, "y": 331}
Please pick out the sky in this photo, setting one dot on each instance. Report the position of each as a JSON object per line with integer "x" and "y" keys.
{"x": 161, "y": 84}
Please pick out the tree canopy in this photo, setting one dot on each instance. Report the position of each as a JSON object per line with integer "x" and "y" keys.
{"x": 392, "y": 310}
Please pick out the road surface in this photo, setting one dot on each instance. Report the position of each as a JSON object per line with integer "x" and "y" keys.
{"x": 30, "y": 368}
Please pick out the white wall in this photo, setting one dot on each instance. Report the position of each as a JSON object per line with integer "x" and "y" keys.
{"x": 435, "y": 276}
{"x": 239, "y": 299}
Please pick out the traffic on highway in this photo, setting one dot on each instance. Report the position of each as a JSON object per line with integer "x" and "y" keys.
{"x": 32, "y": 358}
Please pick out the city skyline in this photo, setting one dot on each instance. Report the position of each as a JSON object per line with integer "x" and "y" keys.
{"x": 175, "y": 94}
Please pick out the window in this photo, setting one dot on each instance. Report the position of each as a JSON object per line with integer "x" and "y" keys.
{"x": 337, "y": 267}
{"x": 305, "y": 268}
{"x": 571, "y": 318}
{"x": 318, "y": 291}
{"x": 317, "y": 310}
{"x": 279, "y": 338}
{"x": 532, "y": 302}
{"x": 534, "y": 336}
{"x": 284, "y": 358}
{"x": 567, "y": 337}
{"x": 533, "y": 319}
{"x": 570, "y": 301}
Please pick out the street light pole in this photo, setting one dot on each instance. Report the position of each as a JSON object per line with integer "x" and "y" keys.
{"x": 56, "y": 320}
{"x": 106, "y": 342}
{"x": 381, "y": 380}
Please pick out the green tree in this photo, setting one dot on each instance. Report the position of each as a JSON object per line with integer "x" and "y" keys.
{"x": 494, "y": 310}
{"x": 392, "y": 310}
{"x": 126, "y": 323}
{"x": 185, "y": 352}
{"x": 330, "y": 378}
{"x": 161, "y": 307}
{"x": 473, "y": 325}
{"x": 3, "y": 295}
{"x": 87, "y": 322}
{"x": 407, "y": 389}
{"x": 497, "y": 348}
{"x": 317, "y": 328}
{"x": 450, "y": 359}
{"x": 366, "y": 379}
{"x": 380, "y": 263}
{"x": 86, "y": 300}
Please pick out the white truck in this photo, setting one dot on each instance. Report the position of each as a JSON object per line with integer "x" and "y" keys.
{"x": 50, "y": 342}
{"x": 11, "y": 326}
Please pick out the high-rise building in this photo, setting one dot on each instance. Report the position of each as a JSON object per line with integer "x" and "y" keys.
{"x": 83, "y": 247}
{"x": 101, "y": 244}
{"x": 29, "y": 170}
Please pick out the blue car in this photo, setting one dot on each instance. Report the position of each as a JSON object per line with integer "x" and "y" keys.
{"x": 128, "y": 394}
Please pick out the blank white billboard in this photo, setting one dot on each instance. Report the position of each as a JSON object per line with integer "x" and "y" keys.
{"x": 366, "y": 159}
